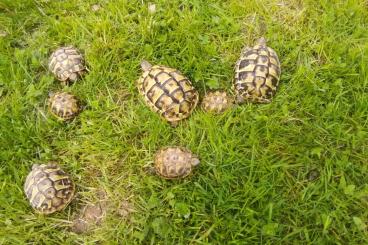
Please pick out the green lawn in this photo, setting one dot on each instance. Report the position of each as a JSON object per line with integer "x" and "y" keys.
{"x": 290, "y": 172}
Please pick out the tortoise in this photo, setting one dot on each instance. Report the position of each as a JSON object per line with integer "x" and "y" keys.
{"x": 167, "y": 92}
{"x": 257, "y": 74}
{"x": 63, "y": 105}
{"x": 67, "y": 64}
{"x": 175, "y": 162}
{"x": 216, "y": 101}
{"x": 48, "y": 188}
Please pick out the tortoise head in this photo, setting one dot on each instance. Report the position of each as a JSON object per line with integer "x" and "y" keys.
{"x": 239, "y": 99}
{"x": 76, "y": 75}
{"x": 145, "y": 65}
{"x": 174, "y": 124}
{"x": 195, "y": 160}
{"x": 261, "y": 41}
{"x": 73, "y": 77}
{"x": 35, "y": 166}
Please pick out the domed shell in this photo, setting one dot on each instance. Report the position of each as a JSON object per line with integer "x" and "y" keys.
{"x": 167, "y": 92}
{"x": 217, "y": 102}
{"x": 175, "y": 162}
{"x": 67, "y": 64}
{"x": 63, "y": 105}
{"x": 48, "y": 188}
{"x": 257, "y": 74}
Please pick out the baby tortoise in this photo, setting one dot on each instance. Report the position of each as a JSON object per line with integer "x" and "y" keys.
{"x": 217, "y": 102}
{"x": 175, "y": 162}
{"x": 63, "y": 105}
{"x": 67, "y": 64}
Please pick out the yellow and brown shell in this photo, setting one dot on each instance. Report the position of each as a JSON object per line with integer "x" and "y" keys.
{"x": 175, "y": 162}
{"x": 217, "y": 102}
{"x": 48, "y": 188}
{"x": 67, "y": 64}
{"x": 167, "y": 92}
{"x": 257, "y": 74}
{"x": 63, "y": 105}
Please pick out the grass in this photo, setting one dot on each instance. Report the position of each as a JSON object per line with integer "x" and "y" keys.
{"x": 290, "y": 172}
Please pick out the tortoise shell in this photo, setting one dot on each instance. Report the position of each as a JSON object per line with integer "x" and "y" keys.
{"x": 216, "y": 101}
{"x": 63, "y": 105}
{"x": 167, "y": 92}
{"x": 48, "y": 188}
{"x": 67, "y": 64}
{"x": 257, "y": 74}
{"x": 175, "y": 162}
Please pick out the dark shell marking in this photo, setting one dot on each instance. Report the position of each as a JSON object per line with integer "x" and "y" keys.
{"x": 257, "y": 74}
{"x": 63, "y": 105}
{"x": 48, "y": 188}
{"x": 168, "y": 92}
{"x": 67, "y": 64}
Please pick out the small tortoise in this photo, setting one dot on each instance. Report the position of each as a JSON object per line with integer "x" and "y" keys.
{"x": 167, "y": 92}
{"x": 64, "y": 106}
{"x": 257, "y": 74}
{"x": 175, "y": 162}
{"x": 48, "y": 188}
{"x": 217, "y": 101}
{"x": 67, "y": 64}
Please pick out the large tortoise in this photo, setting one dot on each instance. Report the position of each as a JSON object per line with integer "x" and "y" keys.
{"x": 167, "y": 92}
{"x": 257, "y": 73}
{"x": 48, "y": 188}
